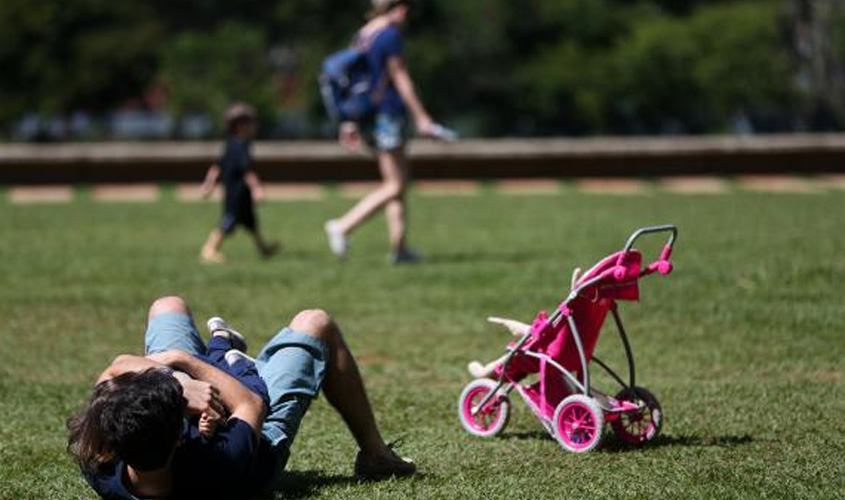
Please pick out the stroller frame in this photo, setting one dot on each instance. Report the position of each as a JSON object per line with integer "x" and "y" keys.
{"x": 632, "y": 402}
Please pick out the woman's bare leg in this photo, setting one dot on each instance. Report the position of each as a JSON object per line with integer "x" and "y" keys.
{"x": 394, "y": 182}
{"x": 396, "y": 211}
{"x": 397, "y": 226}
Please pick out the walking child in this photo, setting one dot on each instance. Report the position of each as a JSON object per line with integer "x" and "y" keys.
{"x": 242, "y": 186}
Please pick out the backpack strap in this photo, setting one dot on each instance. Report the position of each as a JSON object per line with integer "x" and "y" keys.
{"x": 363, "y": 43}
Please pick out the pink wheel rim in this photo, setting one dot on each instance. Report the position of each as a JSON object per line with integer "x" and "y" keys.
{"x": 485, "y": 419}
{"x": 577, "y": 426}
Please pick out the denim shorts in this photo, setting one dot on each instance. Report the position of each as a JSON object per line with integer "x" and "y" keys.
{"x": 386, "y": 132}
{"x": 292, "y": 364}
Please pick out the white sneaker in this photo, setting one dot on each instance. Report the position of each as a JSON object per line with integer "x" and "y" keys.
{"x": 337, "y": 240}
{"x": 217, "y": 324}
{"x": 232, "y": 356}
{"x": 405, "y": 256}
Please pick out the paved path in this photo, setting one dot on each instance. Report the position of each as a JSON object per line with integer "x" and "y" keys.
{"x": 698, "y": 185}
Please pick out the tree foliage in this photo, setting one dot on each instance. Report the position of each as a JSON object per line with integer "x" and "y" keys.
{"x": 57, "y": 56}
{"x": 205, "y": 72}
{"x": 490, "y": 67}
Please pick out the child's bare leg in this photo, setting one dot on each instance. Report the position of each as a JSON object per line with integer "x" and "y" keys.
{"x": 211, "y": 249}
{"x": 266, "y": 249}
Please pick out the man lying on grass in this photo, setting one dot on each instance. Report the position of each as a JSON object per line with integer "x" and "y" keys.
{"x": 139, "y": 437}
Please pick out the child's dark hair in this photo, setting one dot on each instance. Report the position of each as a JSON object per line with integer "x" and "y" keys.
{"x": 136, "y": 417}
{"x": 238, "y": 115}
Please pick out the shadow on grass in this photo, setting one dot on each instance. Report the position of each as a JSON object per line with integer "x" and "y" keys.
{"x": 301, "y": 255}
{"x": 300, "y": 484}
{"x": 307, "y": 483}
{"x": 527, "y": 436}
{"x": 615, "y": 445}
{"x": 612, "y": 444}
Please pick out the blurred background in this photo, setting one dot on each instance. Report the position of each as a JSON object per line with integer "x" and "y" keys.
{"x": 93, "y": 70}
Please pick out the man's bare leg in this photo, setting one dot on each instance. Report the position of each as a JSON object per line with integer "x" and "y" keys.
{"x": 343, "y": 385}
{"x": 168, "y": 305}
{"x": 344, "y": 389}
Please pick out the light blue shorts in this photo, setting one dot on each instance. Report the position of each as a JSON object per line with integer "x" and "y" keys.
{"x": 386, "y": 132}
{"x": 292, "y": 365}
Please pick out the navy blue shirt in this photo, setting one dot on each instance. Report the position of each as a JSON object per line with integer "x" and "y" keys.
{"x": 386, "y": 44}
{"x": 235, "y": 162}
{"x": 232, "y": 464}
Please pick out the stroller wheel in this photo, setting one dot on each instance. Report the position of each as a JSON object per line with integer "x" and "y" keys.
{"x": 638, "y": 427}
{"x": 490, "y": 420}
{"x": 578, "y": 423}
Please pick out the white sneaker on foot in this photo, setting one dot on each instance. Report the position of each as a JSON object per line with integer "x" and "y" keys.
{"x": 217, "y": 324}
{"x": 337, "y": 240}
{"x": 232, "y": 356}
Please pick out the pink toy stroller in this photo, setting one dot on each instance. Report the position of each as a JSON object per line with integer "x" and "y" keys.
{"x": 558, "y": 349}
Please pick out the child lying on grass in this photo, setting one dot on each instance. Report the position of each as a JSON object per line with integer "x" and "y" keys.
{"x": 226, "y": 350}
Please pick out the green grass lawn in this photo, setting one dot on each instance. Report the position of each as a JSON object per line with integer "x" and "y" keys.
{"x": 743, "y": 343}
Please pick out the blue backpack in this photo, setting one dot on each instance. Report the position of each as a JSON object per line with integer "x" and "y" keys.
{"x": 347, "y": 85}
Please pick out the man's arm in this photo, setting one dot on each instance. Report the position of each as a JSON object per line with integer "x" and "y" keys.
{"x": 405, "y": 86}
{"x": 241, "y": 402}
{"x": 202, "y": 397}
{"x": 126, "y": 363}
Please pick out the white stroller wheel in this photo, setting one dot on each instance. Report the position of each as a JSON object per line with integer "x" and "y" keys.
{"x": 578, "y": 424}
{"x": 489, "y": 421}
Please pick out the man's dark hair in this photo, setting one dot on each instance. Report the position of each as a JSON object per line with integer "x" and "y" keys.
{"x": 136, "y": 417}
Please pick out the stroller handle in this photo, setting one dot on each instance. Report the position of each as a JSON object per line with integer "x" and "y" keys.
{"x": 653, "y": 229}
{"x": 662, "y": 265}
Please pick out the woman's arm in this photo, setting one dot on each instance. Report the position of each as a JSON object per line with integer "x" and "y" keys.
{"x": 405, "y": 86}
{"x": 349, "y": 136}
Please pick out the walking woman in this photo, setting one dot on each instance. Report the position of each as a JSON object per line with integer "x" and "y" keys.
{"x": 386, "y": 132}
